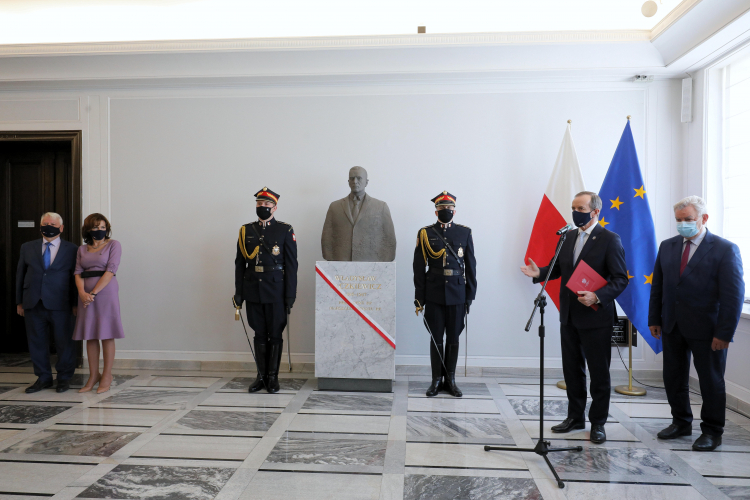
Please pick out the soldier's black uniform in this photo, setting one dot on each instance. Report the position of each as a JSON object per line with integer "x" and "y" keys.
{"x": 445, "y": 285}
{"x": 266, "y": 279}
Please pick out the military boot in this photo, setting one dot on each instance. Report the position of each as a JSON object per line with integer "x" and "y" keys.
{"x": 451, "y": 358}
{"x": 260, "y": 358}
{"x": 274, "y": 360}
{"x": 436, "y": 362}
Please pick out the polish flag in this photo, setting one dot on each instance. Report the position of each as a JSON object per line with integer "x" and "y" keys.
{"x": 554, "y": 212}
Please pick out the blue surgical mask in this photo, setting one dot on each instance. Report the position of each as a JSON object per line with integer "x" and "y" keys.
{"x": 687, "y": 229}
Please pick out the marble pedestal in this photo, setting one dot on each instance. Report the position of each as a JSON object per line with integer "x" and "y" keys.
{"x": 349, "y": 354}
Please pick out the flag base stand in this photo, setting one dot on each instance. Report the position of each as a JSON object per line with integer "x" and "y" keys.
{"x": 562, "y": 385}
{"x": 630, "y": 390}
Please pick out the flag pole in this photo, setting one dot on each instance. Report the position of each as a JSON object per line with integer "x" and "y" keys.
{"x": 561, "y": 383}
{"x": 629, "y": 390}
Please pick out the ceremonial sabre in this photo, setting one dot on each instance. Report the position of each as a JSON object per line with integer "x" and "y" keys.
{"x": 424, "y": 320}
{"x": 288, "y": 341}
{"x": 238, "y": 317}
{"x": 466, "y": 350}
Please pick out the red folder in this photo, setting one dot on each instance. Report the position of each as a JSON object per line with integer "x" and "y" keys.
{"x": 585, "y": 278}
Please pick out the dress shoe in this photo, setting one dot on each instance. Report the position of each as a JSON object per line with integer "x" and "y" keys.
{"x": 675, "y": 431}
{"x": 707, "y": 442}
{"x": 568, "y": 425}
{"x": 598, "y": 436}
{"x": 62, "y": 385}
{"x": 38, "y": 386}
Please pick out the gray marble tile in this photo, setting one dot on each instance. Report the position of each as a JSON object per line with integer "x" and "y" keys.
{"x": 78, "y": 380}
{"x": 552, "y": 407}
{"x": 717, "y": 463}
{"x": 456, "y": 426}
{"x": 652, "y": 394}
{"x": 346, "y": 402}
{"x": 29, "y": 414}
{"x": 734, "y": 435}
{"x": 267, "y": 485}
{"x": 79, "y": 443}
{"x": 159, "y": 483}
{"x": 461, "y": 456}
{"x": 328, "y": 451}
{"x": 151, "y": 397}
{"x": 227, "y": 420}
{"x": 242, "y": 383}
{"x": 736, "y": 491}
{"x": 420, "y": 487}
{"x": 7, "y": 388}
{"x": 599, "y": 491}
{"x": 417, "y": 388}
{"x": 632, "y": 461}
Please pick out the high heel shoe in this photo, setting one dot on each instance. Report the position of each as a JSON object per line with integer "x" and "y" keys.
{"x": 87, "y": 388}
{"x": 104, "y": 388}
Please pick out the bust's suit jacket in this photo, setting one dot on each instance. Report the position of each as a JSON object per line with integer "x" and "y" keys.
{"x": 369, "y": 238}
{"x": 55, "y": 287}
{"x": 706, "y": 301}
{"x": 603, "y": 251}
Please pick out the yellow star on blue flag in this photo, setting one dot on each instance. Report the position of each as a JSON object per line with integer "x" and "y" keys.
{"x": 631, "y": 220}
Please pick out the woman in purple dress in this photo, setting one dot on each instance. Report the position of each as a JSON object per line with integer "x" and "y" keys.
{"x": 98, "y": 300}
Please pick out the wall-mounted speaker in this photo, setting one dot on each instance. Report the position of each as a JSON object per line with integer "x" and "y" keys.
{"x": 686, "y": 112}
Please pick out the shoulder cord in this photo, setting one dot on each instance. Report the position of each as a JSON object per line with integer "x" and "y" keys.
{"x": 242, "y": 246}
{"x": 427, "y": 249}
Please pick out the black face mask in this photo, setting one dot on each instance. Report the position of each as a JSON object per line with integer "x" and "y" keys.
{"x": 50, "y": 231}
{"x": 263, "y": 212}
{"x": 98, "y": 234}
{"x": 445, "y": 215}
{"x": 580, "y": 219}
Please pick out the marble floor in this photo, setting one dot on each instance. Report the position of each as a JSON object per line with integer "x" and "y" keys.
{"x": 199, "y": 435}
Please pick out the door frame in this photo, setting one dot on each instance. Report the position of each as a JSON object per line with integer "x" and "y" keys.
{"x": 74, "y": 137}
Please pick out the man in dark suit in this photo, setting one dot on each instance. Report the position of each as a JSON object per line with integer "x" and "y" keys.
{"x": 45, "y": 294}
{"x": 586, "y": 333}
{"x": 696, "y": 300}
{"x": 265, "y": 276}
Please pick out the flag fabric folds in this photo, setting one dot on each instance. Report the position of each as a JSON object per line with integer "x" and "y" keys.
{"x": 554, "y": 212}
{"x": 626, "y": 212}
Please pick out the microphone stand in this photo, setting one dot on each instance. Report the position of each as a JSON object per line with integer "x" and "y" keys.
{"x": 542, "y": 447}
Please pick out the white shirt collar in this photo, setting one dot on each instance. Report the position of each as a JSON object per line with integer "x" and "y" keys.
{"x": 698, "y": 239}
{"x": 53, "y": 243}
{"x": 588, "y": 231}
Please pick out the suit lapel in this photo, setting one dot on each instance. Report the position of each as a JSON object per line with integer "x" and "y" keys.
{"x": 60, "y": 255}
{"x": 347, "y": 210}
{"x": 590, "y": 242}
{"x": 700, "y": 252}
{"x": 39, "y": 250}
{"x": 364, "y": 206}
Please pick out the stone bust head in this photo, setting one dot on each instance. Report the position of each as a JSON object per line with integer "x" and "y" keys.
{"x": 358, "y": 180}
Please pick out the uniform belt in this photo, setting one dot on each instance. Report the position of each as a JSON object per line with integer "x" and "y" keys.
{"x": 445, "y": 272}
{"x": 268, "y": 269}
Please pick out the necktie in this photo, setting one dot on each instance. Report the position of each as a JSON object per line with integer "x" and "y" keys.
{"x": 47, "y": 256}
{"x": 685, "y": 257}
{"x": 579, "y": 246}
{"x": 355, "y": 210}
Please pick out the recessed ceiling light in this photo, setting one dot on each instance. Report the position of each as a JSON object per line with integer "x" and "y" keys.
{"x": 649, "y": 8}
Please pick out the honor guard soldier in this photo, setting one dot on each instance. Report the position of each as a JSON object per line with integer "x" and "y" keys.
{"x": 445, "y": 289}
{"x": 266, "y": 278}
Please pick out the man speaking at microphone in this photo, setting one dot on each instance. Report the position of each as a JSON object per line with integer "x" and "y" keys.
{"x": 586, "y": 332}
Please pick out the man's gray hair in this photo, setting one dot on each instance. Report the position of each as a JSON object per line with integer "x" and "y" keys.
{"x": 53, "y": 215}
{"x": 693, "y": 201}
{"x": 595, "y": 203}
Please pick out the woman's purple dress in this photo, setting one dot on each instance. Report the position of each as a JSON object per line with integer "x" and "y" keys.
{"x": 101, "y": 319}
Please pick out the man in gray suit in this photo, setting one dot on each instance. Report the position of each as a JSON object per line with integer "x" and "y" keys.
{"x": 358, "y": 227}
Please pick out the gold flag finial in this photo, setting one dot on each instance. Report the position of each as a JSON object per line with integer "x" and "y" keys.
{"x": 570, "y": 121}
{"x": 628, "y": 117}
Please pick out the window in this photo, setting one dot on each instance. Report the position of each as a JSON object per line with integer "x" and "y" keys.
{"x": 736, "y": 157}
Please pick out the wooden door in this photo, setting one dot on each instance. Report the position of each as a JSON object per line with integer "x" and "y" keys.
{"x": 37, "y": 176}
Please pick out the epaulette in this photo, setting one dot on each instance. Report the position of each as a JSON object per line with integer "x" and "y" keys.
{"x": 467, "y": 227}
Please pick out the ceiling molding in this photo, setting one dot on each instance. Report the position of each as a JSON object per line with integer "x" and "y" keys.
{"x": 318, "y": 43}
{"x": 674, "y": 16}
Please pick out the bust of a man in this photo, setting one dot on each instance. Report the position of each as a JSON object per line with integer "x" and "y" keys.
{"x": 358, "y": 227}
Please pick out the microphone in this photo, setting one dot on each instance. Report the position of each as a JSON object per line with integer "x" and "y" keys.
{"x": 565, "y": 229}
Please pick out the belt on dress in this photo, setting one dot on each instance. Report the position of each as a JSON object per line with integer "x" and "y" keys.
{"x": 445, "y": 272}
{"x": 268, "y": 269}
{"x": 93, "y": 274}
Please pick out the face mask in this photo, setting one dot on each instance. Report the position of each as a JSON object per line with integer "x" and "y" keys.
{"x": 580, "y": 219}
{"x": 263, "y": 212}
{"x": 50, "y": 231}
{"x": 98, "y": 234}
{"x": 445, "y": 216}
{"x": 687, "y": 229}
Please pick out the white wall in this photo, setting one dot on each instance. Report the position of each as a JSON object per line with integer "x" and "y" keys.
{"x": 175, "y": 169}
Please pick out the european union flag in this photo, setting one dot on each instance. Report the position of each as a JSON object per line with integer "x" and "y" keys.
{"x": 626, "y": 212}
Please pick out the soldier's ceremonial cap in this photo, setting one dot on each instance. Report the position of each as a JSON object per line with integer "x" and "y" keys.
{"x": 443, "y": 199}
{"x": 267, "y": 194}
